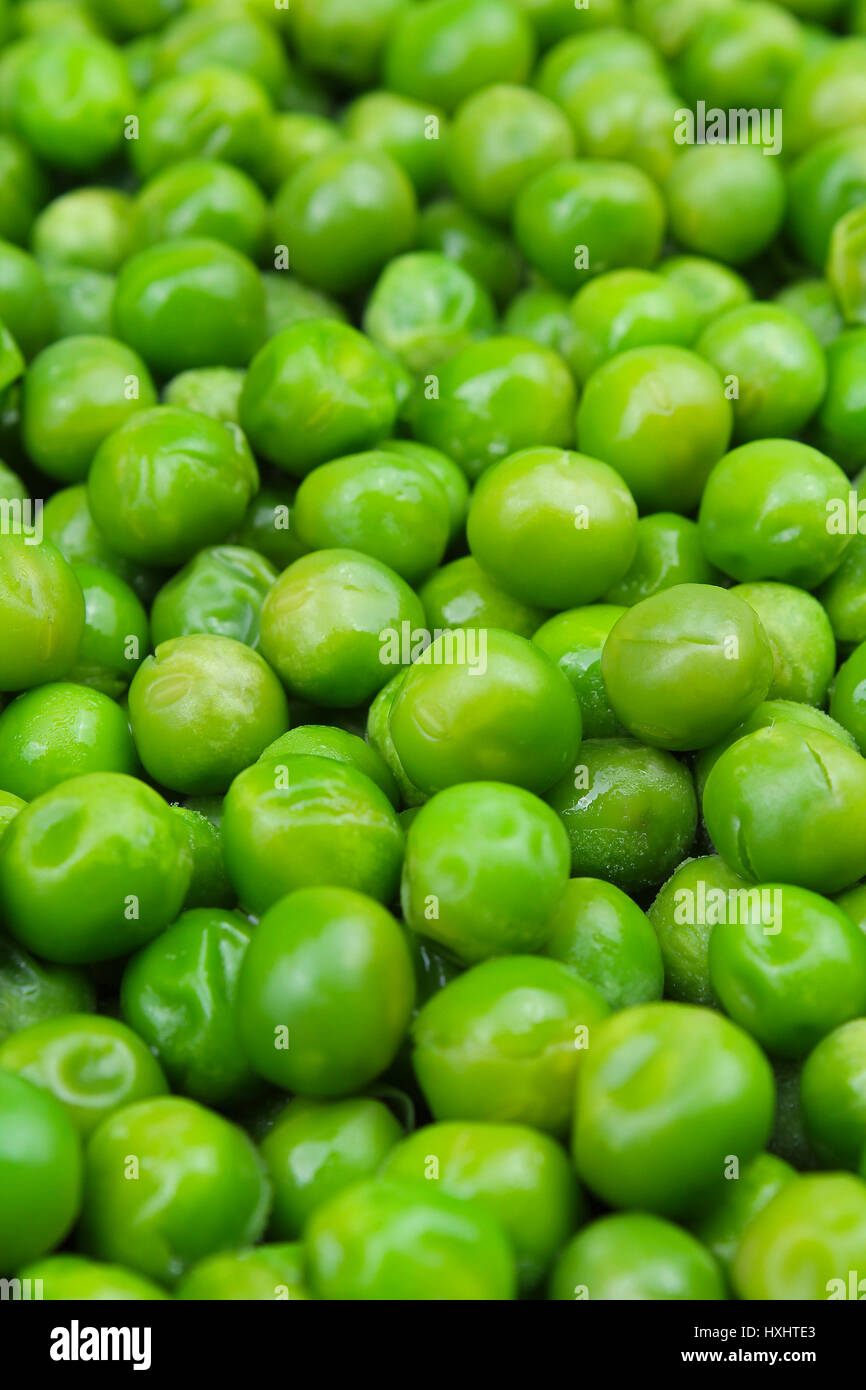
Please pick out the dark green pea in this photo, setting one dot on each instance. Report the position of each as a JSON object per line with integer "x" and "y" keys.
{"x": 574, "y": 640}
{"x": 604, "y": 936}
{"x": 462, "y": 595}
{"x": 23, "y": 189}
{"x": 557, "y": 19}
{"x": 451, "y": 48}
{"x": 209, "y": 885}
{"x": 479, "y": 247}
{"x": 630, "y": 812}
{"x": 267, "y": 527}
{"x": 219, "y": 591}
{"x": 25, "y": 304}
{"x": 32, "y": 990}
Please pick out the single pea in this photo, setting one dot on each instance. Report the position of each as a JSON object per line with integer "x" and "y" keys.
{"x": 92, "y": 1065}
{"x": 32, "y": 990}
{"x": 316, "y": 390}
{"x": 575, "y": 640}
{"x": 26, "y": 308}
{"x": 841, "y": 418}
{"x": 555, "y": 529}
{"x": 76, "y": 393}
{"x": 683, "y": 914}
{"x": 424, "y": 308}
{"x": 58, "y": 731}
{"x": 168, "y": 482}
{"x": 220, "y": 591}
{"x": 209, "y": 884}
{"x": 847, "y": 701}
{"x": 462, "y": 595}
{"x": 776, "y": 509}
{"x": 202, "y": 709}
{"x": 179, "y": 994}
{"x": 722, "y": 1227}
{"x": 714, "y": 288}
{"x": 661, "y": 418}
{"x": 287, "y": 301}
{"x": 23, "y": 189}
{"x": 628, "y": 309}
{"x": 332, "y": 967}
{"x": 789, "y": 969}
{"x": 504, "y": 1041}
{"x": 334, "y": 624}
{"x": 844, "y": 596}
{"x": 602, "y": 934}
{"x": 491, "y": 709}
{"x": 826, "y": 96}
{"x": 452, "y": 48}
{"x": 344, "y": 42}
{"x": 132, "y": 17}
{"x": 775, "y": 364}
{"x": 583, "y": 217}
{"x": 664, "y": 1095}
{"x": 211, "y": 114}
{"x": 201, "y": 1188}
{"x": 634, "y": 121}
{"x": 493, "y": 398}
{"x": 88, "y": 227}
{"x": 377, "y": 504}
{"x": 669, "y": 552}
{"x": 486, "y": 865}
{"x": 92, "y": 869}
{"x": 68, "y": 524}
{"x": 741, "y": 57}
{"x": 64, "y": 1277}
{"x": 43, "y": 613}
{"x": 823, "y": 184}
{"x": 726, "y": 201}
{"x": 632, "y": 1256}
{"x": 40, "y": 1168}
{"x": 389, "y": 1238}
{"x": 519, "y": 1177}
{"x": 267, "y": 527}
{"x": 316, "y": 1149}
{"x": 70, "y": 98}
{"x": 226, "y": 38}
{"x": 322, "y": 741}
{"x": 833, "y": 1093}
{"x": 558, "y": 19}
{"x": 788, "y": 805}
{"x": 257, "y": 1273}
{"x": 190, "y": 302}
{"x": 79, "y": 301}
{"x": 478, "y": 246}
{"x": 805, "y": 1241}
{"x": 451, "y": 478}
{"x": 273, "y": 844}
{"x": 684, "y": 666}
{"x": 569, "y": 66}
{"x": 544, "y": 317}
{"x": 801, "y": 639}
{"x": 630, "y": 812}
{"x": 769, "y": 712}
{"x": 202, "y": 198}
{"x": 814, "y": 302}
{"x": 294, "y": 138}
{"x": 412, "y": 133}
{"x": 343, "y": 216}
{"x": 501, "y": 138}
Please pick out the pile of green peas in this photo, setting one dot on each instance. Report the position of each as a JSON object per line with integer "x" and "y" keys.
{"x": 433, "y": 649}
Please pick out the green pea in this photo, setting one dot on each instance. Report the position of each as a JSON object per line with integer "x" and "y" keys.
{"x": 841, "y": 417}
{"x": 294, "y": 138}
{"x": 267, "y": 527}
{"x": 315, "y": 391}
{"x": 201, "y": 1188}
{"x": 575, "y": 640}
{"x": 627, "y": 309}
{"x": 76, "y": 393}
{"x": 555, "y": 529}
{"x": 32, "y": 990}
{"x": 89, "y": 227}
{"x": 844, "y": 596}
{"x": 504, "y": 1041}
{"x": 462, "y": 595}
{"x": 659, "y": 416}
{"x": 43, "y": 609}
{"x": 331, "y": 967}
{"x": 726, "y": 201}
{"x": 211, "y": 114}
{"x": 316, "y": 1149}
{"x": 801, "y": 638}
{"x": 23, "y": 189}
{"x": 823, "y": 184}
{"x": 389, "y": 1238}
{"x": 452, "y": 48}
{"x": 583, "y": 217}
{"x": 58, "y": 731}
{"x": 806, "y": 718}
{"x": 70, "y": 98}
{"x": 260, "y": 1273}
{"x": 631, "y": 1256}
{"x": 476, "y": 245}
{"x": 805, "y": 1241}
{"x": 494, "y": 398}
{"x": 225, "y": 39}
{"x": 168, "y": 482}
{"x": 665, "y": 1094}
{"x": 713, "y": 287}
{"x": 635, "y": 121}
{"x": 722, "y": 1227}
{"x": 826, "y": 95}
{"x": 79, "y": 301}
{"x": 337, "y": 38}
{"x": 25, "y": 303}
{"x": 741, "y": 58}
{"x": 519, "y": 1177}
{"x": 544, "y": 317}
{"x": 333, "y": 625}
{"x": 771, "y": 510}
{"x": 786, "y": 805}
{"x": 40, "y": 1168}
{"x": 814, "y": 302}
{"x": 833, "y": 1093}
{"x": 343, "y": 216}
{"x": 425, "y": 308}
{"x": 131, "y": 17}
{"x": 446, "y": 472}
{"x": 220, "y": 591}
{"x": 64, "y": 1277}
{"x": 847, "y": 702}
{"x": 209, "y": 885}
{"x": 569, "y": 66}
{"x": 92, "y": 869}
{"x": 202, "y": 198}
{"x": 378, "y": 733}
{"x": 324, "y": 742}
{"x": 557, "y": 19}
{"x": 630, "y": 812}
{"x": 603, "y": 935}
{"x": 669, "y": 552}
{"x": 485, "y": 867}
{"x": 683, "y": 914}
{"x": 274, "y": 845}
{"x": 67, "y": 522}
